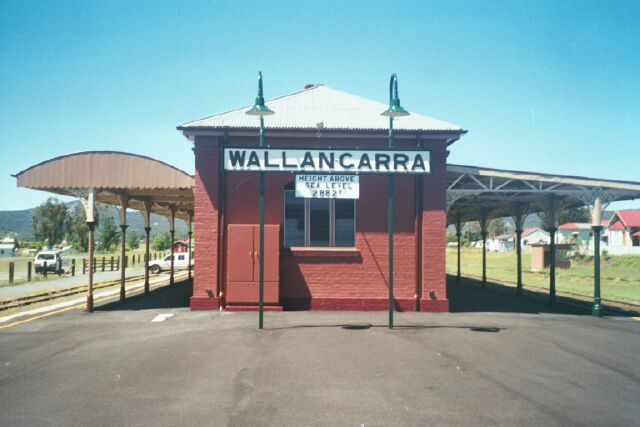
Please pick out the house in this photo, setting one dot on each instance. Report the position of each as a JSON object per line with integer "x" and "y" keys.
{"x": 579, "y": 233}
{"x": 624, "y": 232}
{"x": 8, "y": 247}
{"x": 534, "y": 235}
{"x": 502, "y": 243}
{"x": 180, "y": 245}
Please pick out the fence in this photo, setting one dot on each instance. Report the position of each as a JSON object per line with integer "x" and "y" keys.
{"x": 76, "y": 266}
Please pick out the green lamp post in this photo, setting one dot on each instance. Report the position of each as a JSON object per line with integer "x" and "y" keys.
{"x": 261, "y": 110}
{"x": 394, "y": 110}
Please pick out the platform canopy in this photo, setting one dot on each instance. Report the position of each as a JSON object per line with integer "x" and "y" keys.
{"x": 110, "y": 176}
{"x": 474, "y": 191}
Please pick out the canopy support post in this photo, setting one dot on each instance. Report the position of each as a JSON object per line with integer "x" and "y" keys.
{"x": 190, "y": 232}
{"x": 146, "y": 215}
{"x": 551, "y": 229}
{"x": 458, "y": 237}
{"x": 88, "y": 202}
{"x": 172, "y": 232}
{"x": 597, "y": 229}
{"x": 518, "y": 219}
{"x": 123, "y": 200}
{"x": 484, "y": 222}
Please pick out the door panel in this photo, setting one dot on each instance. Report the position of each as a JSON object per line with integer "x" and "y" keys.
{"x": 272, "y": 253}
{"x": 247, "y": 293}
{"x": 240, "y": 253}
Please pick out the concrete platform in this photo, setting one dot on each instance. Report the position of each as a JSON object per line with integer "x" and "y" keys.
{"x": 117, "y": 367}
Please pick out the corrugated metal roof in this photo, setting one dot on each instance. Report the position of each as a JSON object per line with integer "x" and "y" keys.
{"x": 322, "y": 107}
{"x": 631, "y": 217}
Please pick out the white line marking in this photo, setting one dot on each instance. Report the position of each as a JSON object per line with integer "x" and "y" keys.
{"x": 162, "y": 317}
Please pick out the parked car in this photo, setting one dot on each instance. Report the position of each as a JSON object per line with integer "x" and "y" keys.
{"x": 53, "y": 259}
{"x": 181, "y": 262}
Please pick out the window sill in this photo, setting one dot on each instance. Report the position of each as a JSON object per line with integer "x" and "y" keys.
{"x": 322, "y": 251}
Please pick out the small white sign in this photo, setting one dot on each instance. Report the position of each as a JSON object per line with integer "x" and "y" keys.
{"x": 328, "y": 186}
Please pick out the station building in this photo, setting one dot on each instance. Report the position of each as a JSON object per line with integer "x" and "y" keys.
{"x": 320, "y": 253}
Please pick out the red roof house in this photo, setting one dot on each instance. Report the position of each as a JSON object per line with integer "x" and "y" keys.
{"x": 624, "y": 228}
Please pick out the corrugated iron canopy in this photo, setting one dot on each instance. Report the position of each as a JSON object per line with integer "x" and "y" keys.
{"x": 472, "y": 190}
{"x": 112, "y": 173}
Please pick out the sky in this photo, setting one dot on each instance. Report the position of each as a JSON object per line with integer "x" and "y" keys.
{"x": 545, "y": 86}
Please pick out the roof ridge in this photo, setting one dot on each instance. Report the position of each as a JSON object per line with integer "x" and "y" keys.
{"x": 315, "y": 86}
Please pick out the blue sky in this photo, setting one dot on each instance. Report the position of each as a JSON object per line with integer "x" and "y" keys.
{"x": 543, "y": 86}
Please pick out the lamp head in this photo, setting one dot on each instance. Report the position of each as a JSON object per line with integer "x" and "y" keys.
{"x": 259, "y": 109}
{"x": 395, "y": 109}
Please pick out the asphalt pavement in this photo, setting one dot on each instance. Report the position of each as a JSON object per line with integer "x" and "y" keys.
{"x": 118, "y": 367}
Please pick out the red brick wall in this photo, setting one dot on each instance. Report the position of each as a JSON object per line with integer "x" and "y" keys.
{"x": 324, "y": 280}
{"x": 205, "y": 283}
{"x": 434, "y": 224}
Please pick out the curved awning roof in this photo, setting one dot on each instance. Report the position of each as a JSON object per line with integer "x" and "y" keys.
{"x": 112, "y": 174}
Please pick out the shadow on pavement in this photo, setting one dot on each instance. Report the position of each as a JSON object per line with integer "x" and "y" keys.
{"x": 467, "y": 296}
{"x": 366, "y": 326}
{"x": 169, "y": 296}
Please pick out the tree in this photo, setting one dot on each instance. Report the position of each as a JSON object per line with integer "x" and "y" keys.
{"x": 497, "y": 227}
{"x": 48, "y": 221}
{"x": 574, "y": 214}
{"x": 109, "y": 234}
{"x": 133, "y": 240}
{"x": 161, "y": 242}
{"x": 76, "y": 229}
{"x": 471, "y": 232}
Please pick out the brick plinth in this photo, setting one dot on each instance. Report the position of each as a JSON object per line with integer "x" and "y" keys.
{"x": 252, "y": 308}
{"x": 434, "y": 305}
{"x": 354, "y": 304}
{"x": 204, "y": 303}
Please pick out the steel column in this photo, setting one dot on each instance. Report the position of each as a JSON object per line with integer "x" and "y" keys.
{"x": 172, "y": 233}
{"x": 519, "y": 263}
{"x": 147, "y": 239}
{"x": 91, "y": 226}
{"x": 552, "y": 265}
{"x": 189, "y": 256}
{"x": 597, "y": 307}
{"x": 261, "y": 250}
{"x": 459, "y": 241}
{"x": 123, "y": 250}
{"x": 390, "y": 218}
{"x": 484, "y": 259}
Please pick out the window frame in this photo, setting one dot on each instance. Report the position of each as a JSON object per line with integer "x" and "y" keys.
{"x": 307, "y": 222}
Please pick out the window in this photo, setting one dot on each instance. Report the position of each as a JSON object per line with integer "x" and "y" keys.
{"x": 318, "y": 222}
{"x": 180, "y": 257}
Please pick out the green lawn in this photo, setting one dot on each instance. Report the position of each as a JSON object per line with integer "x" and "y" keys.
{"x": 620, "y": 275}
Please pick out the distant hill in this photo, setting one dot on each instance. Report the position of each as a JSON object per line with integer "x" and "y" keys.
{"x": 18, "y": 223}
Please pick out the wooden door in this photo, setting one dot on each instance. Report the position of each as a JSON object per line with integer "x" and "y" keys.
{"x": 243, "y": 265}
{"x": 240, "y": 253}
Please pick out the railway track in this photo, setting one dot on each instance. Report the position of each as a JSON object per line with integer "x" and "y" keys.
{"x": 51, "y": 295}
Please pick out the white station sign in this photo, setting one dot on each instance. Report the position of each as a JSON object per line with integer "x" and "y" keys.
{"x": 243, "y": 159}
{"x": 328, "y": 186}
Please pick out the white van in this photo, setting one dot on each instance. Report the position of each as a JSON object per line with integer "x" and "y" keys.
{"x": 54, "y": 261}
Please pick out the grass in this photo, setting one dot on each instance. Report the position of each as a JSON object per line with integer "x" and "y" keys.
{"x": 21, "y": 265}
{"x": 620, "y": 275}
